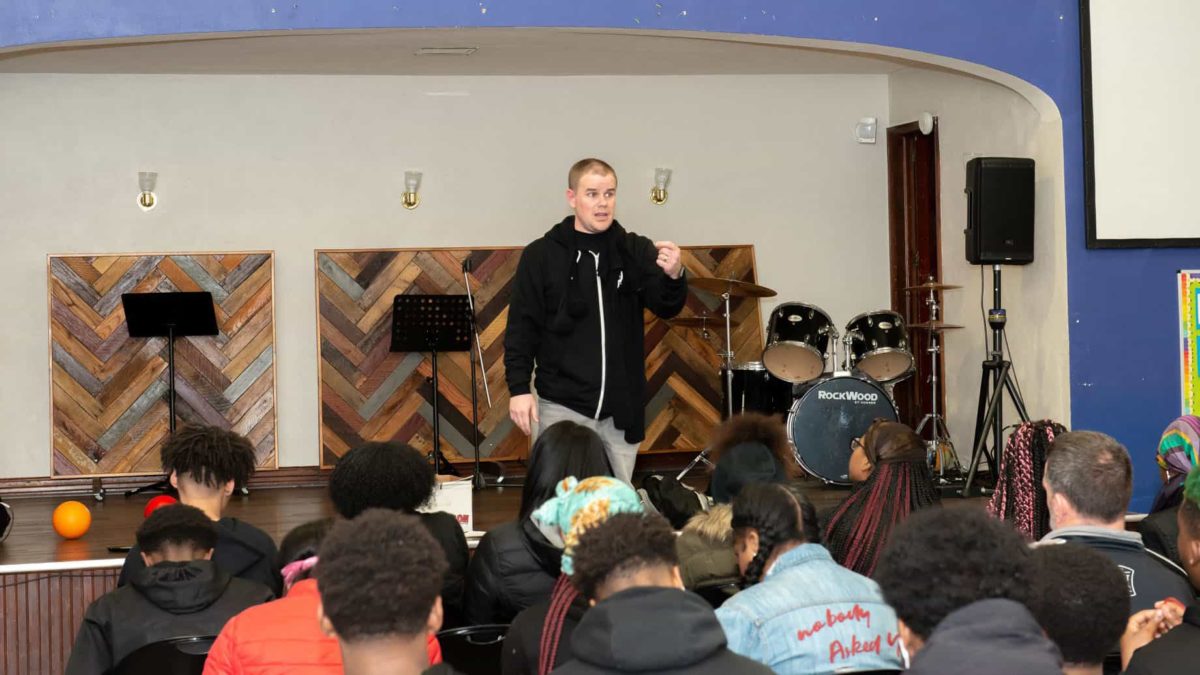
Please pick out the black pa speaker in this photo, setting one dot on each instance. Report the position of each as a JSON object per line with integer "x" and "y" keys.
{"x": 999, "y": 211}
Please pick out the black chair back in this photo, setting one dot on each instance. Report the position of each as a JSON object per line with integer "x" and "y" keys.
{"x": 474, "y": 650}
{"x": 176, "y": 656}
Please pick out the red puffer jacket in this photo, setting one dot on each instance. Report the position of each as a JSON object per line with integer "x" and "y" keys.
{"x": 282, "y": 638}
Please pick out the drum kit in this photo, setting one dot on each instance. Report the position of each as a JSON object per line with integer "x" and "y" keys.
{"x": 829, "y": 385}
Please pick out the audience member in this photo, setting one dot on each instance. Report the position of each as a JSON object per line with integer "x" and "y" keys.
{"x": 1178, "y": 651}
{"x": 1089, "y": 481}
{"x": 538, "y": 639}
{"x": 1020, "y": 497}
{"x": 706, "y": 559}
{"x": 205, "y": 464}
{"x": 641, "y": 620}
{"x": 514, "y": 565}
{"x": 284, "y": 637}
{"x": 179, "y": 591}
{"x": 1081, "y": 601}
{"x": 893, "y": 480}
{"x": 960, "y": 582}
{"x": 748, "y": 448}
{"x": 1176, "y": 456}
{"x": 397, "y": 477}
{"x": 378, "y": 579}
{"x": 801, "y": 611}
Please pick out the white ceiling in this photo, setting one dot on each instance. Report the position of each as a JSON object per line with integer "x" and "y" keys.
{"x": 501, "y": 51}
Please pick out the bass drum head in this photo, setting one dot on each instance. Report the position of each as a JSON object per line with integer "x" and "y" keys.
{"x": 830, "y": 415}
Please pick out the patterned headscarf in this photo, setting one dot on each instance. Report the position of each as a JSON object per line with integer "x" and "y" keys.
{"x": 1177, "y": 451}
{"x": 579, "y": 505}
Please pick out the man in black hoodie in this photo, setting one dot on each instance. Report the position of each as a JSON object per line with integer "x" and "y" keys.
{"x": 576, "y": 315}
{"x": 206, "y": 464}
{"x": 641, "y": 620}
{"x": 178, "y": 592}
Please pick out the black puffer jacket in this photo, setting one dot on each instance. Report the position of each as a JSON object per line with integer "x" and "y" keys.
{"x": 514, "y": 567}
{"x": 654, "y": 630}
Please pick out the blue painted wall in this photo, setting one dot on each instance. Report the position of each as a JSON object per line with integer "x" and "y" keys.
{"x": 1124, "y": 358}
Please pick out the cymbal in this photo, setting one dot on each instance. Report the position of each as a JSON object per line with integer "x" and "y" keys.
{"x": 698, "y": 321}
{"x": 935, "y": 326}
{"x": 740, "y": 289}
{"x": 932, "y": 286}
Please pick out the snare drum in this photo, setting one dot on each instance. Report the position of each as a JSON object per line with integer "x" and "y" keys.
{"x": 831, "y": 414}
{"x": 797, "y": 341}
{"x": 879, "y": 345}
{"x": 755, "y": 390}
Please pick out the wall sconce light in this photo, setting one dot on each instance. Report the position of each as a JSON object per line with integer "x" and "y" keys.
{"x": 864, "y": 131}
{"x": 146, "y": 198}
{"x": 926, "y": 123}
{"x": 412, "y": 185}
{"x": 658, "y": 193}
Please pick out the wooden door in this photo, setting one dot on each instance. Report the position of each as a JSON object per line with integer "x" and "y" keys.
{"x": 915, "y": 242}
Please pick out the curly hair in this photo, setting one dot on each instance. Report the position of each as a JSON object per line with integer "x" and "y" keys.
{"x": 379, "y": 575}
{"x": 780, "y": 513}
{"x": 562, "y": 449}
{"x": 860, "y": 526}
{"x": 1081, "y": 600}
{"x": 620, "y": 546}
{"x": 381, "y": 475}
{"x": 766, "y": 430}
{"x": 1020, "y": 497}
{"x": 940, "y": 560}
{"x": 210, "y": 456}
{"x": 178, "y": 525}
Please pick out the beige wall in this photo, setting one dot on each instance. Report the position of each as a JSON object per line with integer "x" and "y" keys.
{"x": 980, "y": 118}
{"x": 295, "y": 163}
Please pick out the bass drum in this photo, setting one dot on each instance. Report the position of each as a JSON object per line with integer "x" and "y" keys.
{"x": 828, "y": 417}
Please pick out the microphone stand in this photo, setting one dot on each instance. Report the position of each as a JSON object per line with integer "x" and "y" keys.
{"x": 478, "y": 480}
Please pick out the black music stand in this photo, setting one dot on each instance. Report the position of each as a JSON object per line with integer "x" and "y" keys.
{"x": 169, "y": 315}
{"x": 432, "y": 323}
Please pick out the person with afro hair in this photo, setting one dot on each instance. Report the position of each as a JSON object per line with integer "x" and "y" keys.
{"x": 1081, "y": 601}
{"x": 641, "y": 619}
{"x": 378, "y": 579}
{"x": 961, "y": 583}
{"x": 205, "y": 464}
{"x": 178, "y": 591}
{"x": 395, "y": 476}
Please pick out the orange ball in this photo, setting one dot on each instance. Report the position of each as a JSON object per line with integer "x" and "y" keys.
{"x": 72, "y": 519}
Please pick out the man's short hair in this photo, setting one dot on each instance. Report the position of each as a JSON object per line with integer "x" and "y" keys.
{"x": 586, "y": 166}
{"x": 1081, "y": 600}
{"x": 941, "y": 560}
{"x": 380, "y": 476}
{"x": 379, "y": 575}
{"x": 208, "y": 455}
{"x": 620, "y": 546}
{"x": 177, "y": 525}
{"x": 1092, "y": 470}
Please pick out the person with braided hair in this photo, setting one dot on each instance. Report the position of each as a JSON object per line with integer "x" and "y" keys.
{"x": 801, "y": 612}
{"x": 897, "y": 482}
{"x": 1020, "y": 498}
{"x": 539, "y": 638}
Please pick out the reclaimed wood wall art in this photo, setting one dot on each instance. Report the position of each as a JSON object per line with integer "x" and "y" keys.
{"x": 369, "y": 393}
{"x": 109, "y": 403}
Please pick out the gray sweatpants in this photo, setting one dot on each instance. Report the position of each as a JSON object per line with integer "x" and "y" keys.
{"x": 622, "y": 455}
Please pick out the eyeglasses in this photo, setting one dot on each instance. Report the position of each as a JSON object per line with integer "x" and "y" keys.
{"x": 855, "y": 444}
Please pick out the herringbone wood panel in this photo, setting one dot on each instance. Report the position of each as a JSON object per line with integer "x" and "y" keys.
{"x": 109, "y": 391}
{"x": 368, "y": 393}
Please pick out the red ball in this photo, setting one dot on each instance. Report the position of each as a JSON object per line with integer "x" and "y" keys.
{"x": 157, "y": 502}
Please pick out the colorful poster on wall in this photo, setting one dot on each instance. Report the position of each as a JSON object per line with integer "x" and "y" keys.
{"x": 1189, "y": 354}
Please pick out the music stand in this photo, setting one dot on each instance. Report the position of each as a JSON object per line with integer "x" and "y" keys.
{"x": 169, "y": 315}
{"x": 432, "y": 323}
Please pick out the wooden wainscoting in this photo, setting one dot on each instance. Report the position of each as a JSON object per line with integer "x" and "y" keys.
{"x": 41, "y": 614}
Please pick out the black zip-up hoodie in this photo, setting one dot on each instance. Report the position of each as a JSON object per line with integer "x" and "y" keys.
{"x": 654, "y": 630}
{"x": 567, "y": 287}
{"x": 242, "y": 551}
{"x": 170, "y": 599}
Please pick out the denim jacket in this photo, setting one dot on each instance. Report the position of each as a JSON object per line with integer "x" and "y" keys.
{"x": 811, "y": 615}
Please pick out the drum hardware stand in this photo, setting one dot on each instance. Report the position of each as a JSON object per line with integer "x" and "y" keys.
{"x": 478, "y": 480}
{"x": 939, "y": 433}
{"x": 701, "y": 457}
{"x": 997, "y": 375}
